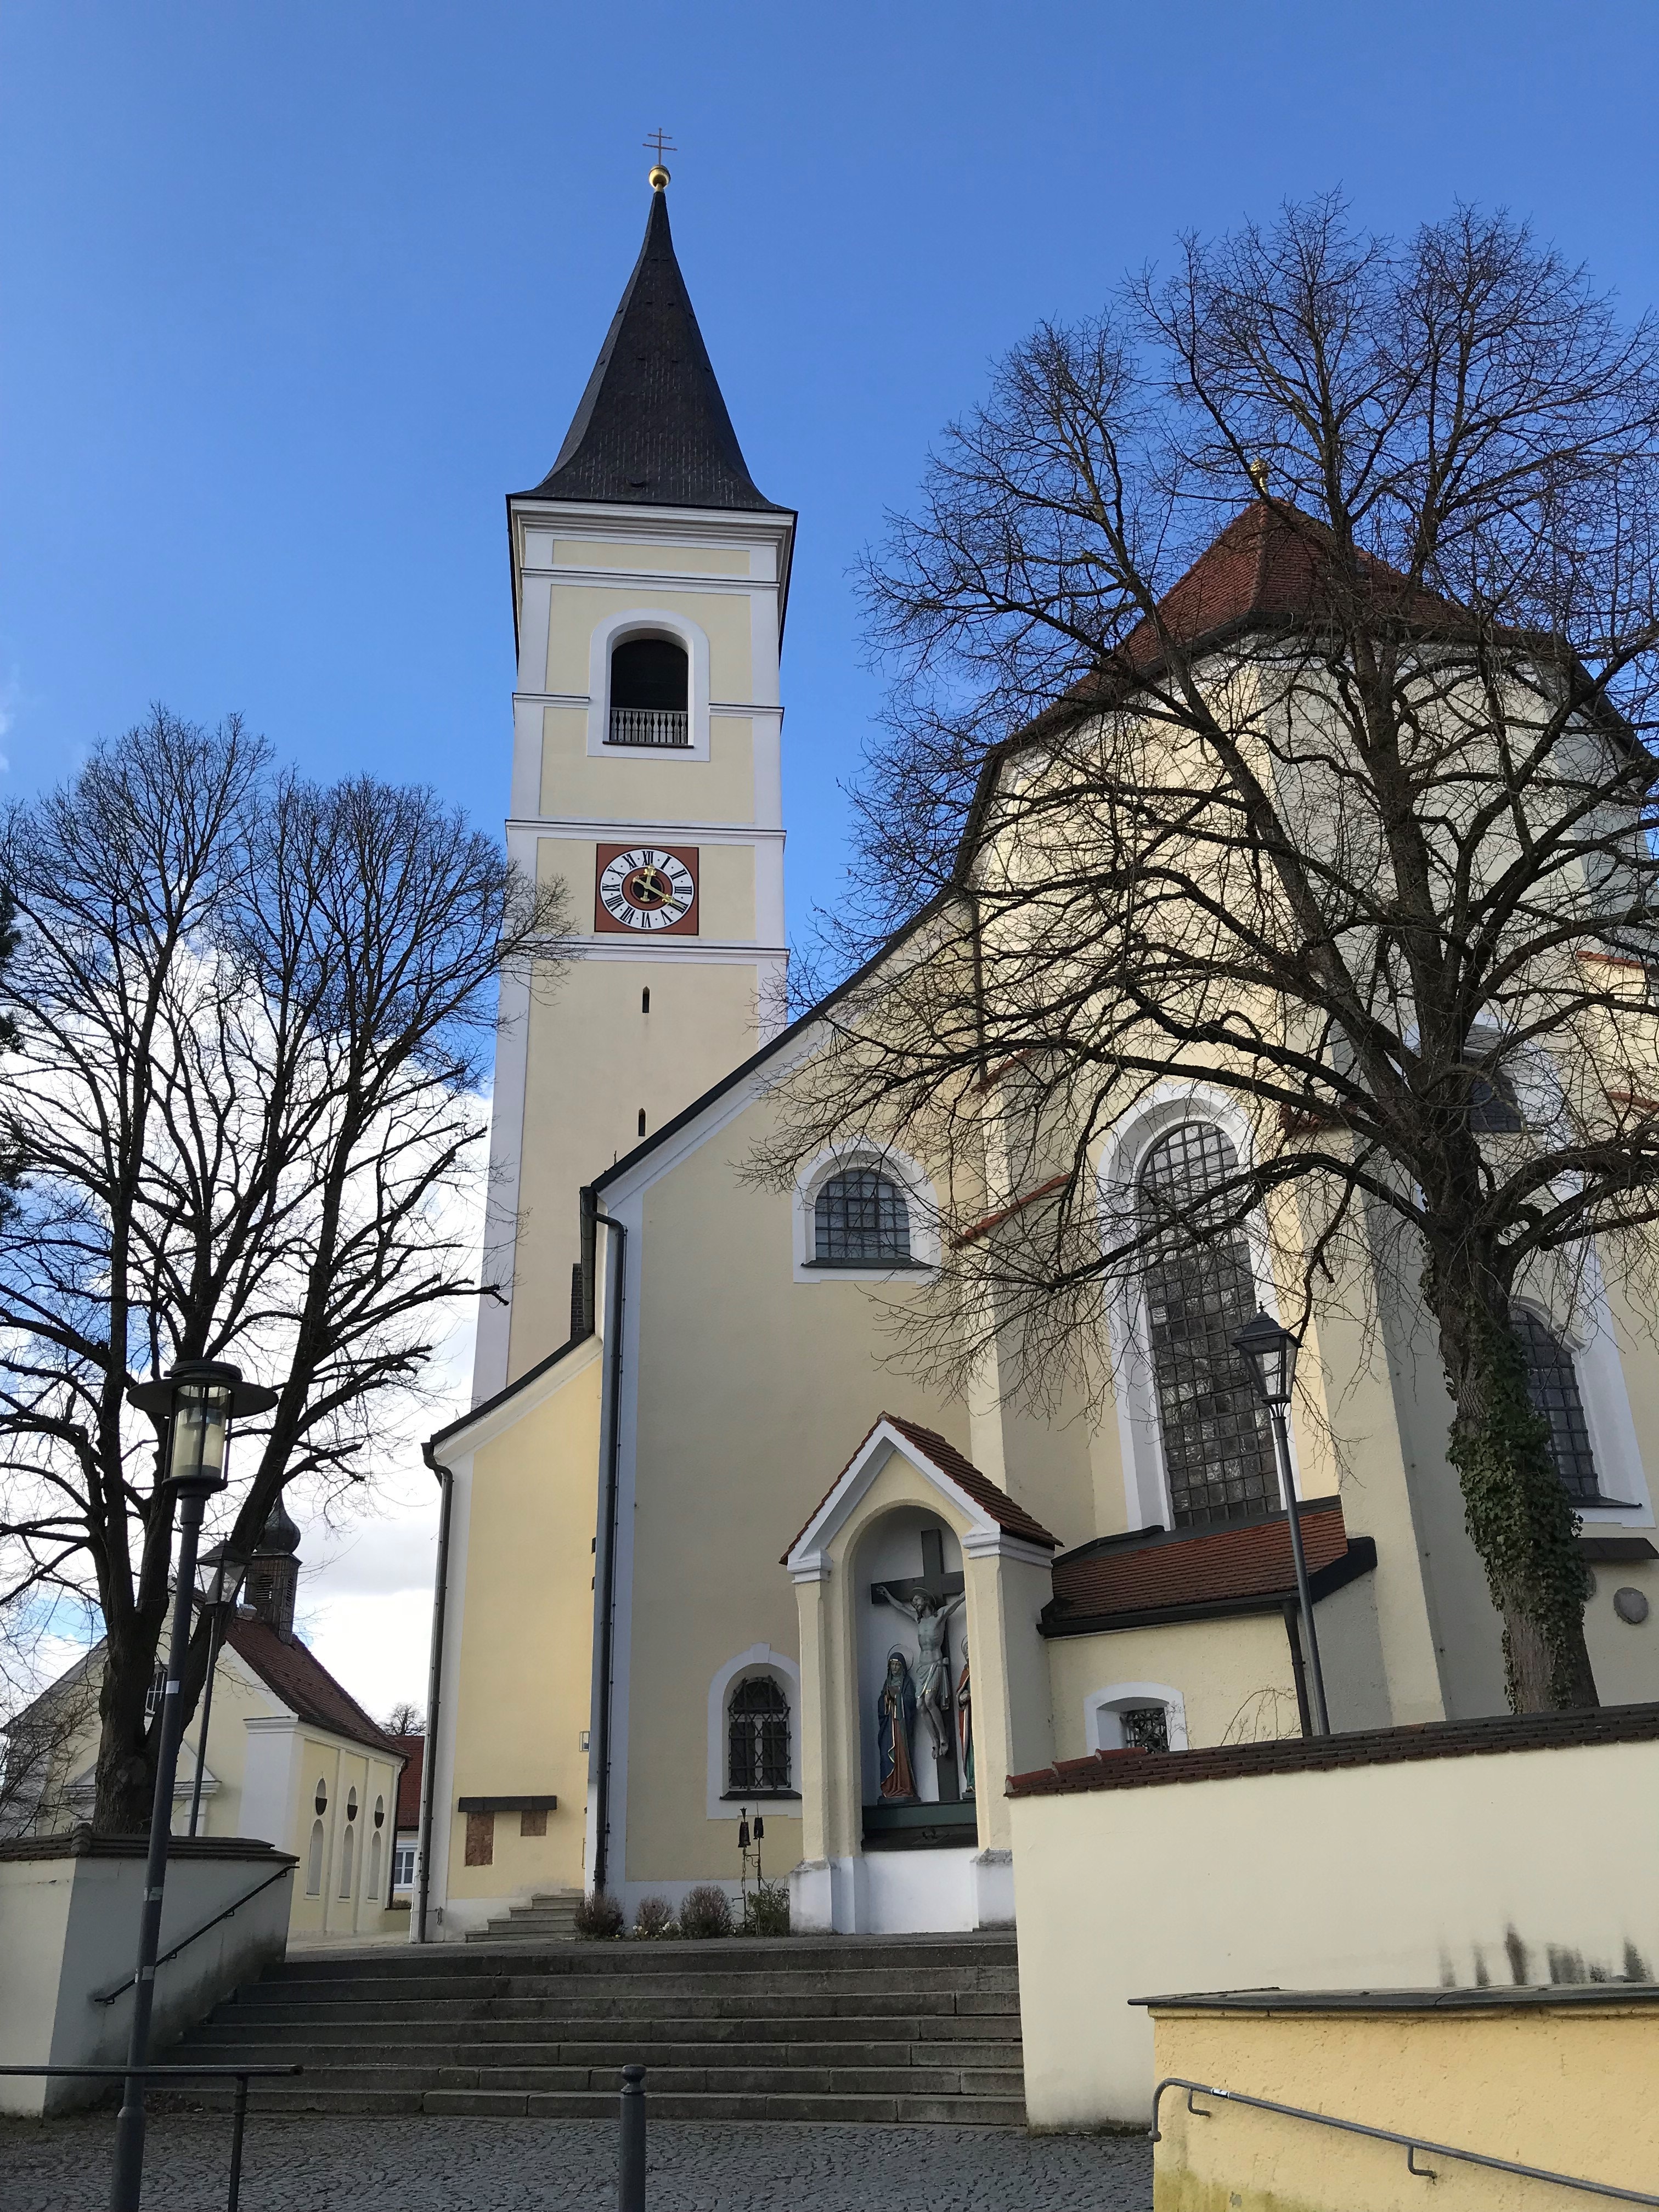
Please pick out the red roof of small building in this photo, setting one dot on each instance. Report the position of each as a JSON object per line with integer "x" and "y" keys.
{"x": 408, "y": 1785}
{"x": 297, "y": 1676}
{"x": 1154, "y": 1572}
{"x": 1005, "y": 1512}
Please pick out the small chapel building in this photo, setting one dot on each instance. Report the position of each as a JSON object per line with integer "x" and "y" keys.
{"x": 707, "y": 1551}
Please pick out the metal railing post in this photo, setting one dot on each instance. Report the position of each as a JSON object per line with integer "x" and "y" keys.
{"x": 631, "y": 2155}
{"x": 237, "y": 2127}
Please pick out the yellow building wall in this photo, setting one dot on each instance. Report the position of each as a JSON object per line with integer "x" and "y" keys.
{"x": 522, "y": 1689}
{"x": 1234, "y": 1677}
{"x": 756, "y": 1390}
{"x": 350, "y": 1899}
{"x": 723, "y": 616}
{"x": 1569, "y": 2088}
{"x": 593, "y": 1060}
{"x": 632, "y": 788}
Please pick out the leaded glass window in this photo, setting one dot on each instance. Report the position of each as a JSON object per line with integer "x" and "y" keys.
{"x": 757, "y": 1762}
{"x": 1145, "y": 1727}
{"x": 1553, "y": 1386}
{"x": 1218, "y": 1445}
{"x": 860, "y": 1218}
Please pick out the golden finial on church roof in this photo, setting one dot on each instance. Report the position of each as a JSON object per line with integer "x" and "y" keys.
{"x": 1258, "y": 468}
{"x": 659, "y": 143}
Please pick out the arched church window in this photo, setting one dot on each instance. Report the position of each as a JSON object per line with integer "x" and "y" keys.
{"x": 1553, "y": 1386}
{"x": 314, "y": 1861}
{"x": 650, "y": 693}
{"x": 346, "y": 1853}
{"x": 1217, "y": 1447}
{"x": 860, "y": 1219}
{"x": 757, "y": 1762}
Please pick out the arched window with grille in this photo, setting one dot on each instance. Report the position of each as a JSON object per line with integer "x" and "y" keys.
{"x": 1553, "y": 1386}
{"x": 1218, "y": 1445}
{"x": 757, "y": 1738}
{"x": 860, "y": 1220}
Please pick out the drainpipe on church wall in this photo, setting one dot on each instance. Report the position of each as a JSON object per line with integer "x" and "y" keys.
{"x": 434, "y": 1675}
{"x": 607, "y": 1542}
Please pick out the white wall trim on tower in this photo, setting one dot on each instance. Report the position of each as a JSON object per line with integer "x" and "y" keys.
{"x": 501, "y": 1235}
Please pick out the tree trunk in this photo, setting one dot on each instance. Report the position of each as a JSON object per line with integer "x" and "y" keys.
{"x": 125, "y": 1785}
{"x": 1518, "y": 1514}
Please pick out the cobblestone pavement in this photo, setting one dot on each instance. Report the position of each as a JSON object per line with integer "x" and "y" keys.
{"x": 319, "y": 2164}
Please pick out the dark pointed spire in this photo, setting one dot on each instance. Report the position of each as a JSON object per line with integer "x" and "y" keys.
{"x": 652, "y": 429}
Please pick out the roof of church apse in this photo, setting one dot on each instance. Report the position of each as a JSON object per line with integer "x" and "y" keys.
{"x": 652, "y": 429}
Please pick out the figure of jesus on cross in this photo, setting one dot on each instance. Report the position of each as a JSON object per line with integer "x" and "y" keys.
{"x": 928, "y": 1602}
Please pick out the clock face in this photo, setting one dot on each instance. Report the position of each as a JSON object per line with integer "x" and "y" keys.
{"x": 643, "y": 887}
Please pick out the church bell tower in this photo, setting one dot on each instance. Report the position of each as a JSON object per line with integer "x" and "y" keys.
{"x": 649, "y": 582}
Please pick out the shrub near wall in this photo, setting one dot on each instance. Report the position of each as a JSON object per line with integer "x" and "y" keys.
{"x": 1461, "y": 1853}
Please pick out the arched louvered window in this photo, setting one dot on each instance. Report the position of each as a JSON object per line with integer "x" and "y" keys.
{"x": 860, "y": 1219}
{"x": 1553, "y": 1386}
{"x": 757, "y": 1719}
{"x": 1218, "y": 1446}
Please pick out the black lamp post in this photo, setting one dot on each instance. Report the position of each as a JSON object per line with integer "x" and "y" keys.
{"x": 219, "y": 1575}
{"x": 1270, "y": 1354}
{"x": 197, "y": 1400}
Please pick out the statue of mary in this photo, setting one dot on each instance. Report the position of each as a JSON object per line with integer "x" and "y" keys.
{"x": 895, "y": 1717}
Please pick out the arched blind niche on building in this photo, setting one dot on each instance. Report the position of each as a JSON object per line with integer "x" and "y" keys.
{"x": 1218, "y": 1446}
{"x": 860, "y": 1219}
{"x": 757, "y": 1719}
{"x": 650, "y": 693}
{"x": 1553, "y": 1386}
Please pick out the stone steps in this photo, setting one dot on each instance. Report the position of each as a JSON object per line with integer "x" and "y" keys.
{"x": 914, "y": 2031}
{"x": 550, "y": 1916}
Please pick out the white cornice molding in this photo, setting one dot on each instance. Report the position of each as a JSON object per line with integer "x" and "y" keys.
{"x": 610, "y": 826}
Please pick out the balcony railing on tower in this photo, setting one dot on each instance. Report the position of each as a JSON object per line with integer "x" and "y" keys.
{"x": 649, "y": 726}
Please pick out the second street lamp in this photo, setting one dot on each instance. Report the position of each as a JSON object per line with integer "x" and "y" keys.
{"x": 1270, "y": 1354}
{"x": 219, "y": 1575}
{"x": 198, "y": 1401}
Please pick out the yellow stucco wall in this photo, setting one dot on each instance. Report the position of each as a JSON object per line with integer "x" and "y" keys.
{"x": 1564, "y": 2087}
{"x": 1234, "y": 1677}
{"x": 723, "y": 616}
{"x": 522, "y": 1688}
{"x": 632, "y": 788}
{"x": 758, "y": 1390}
{"x": 348, "y": 1899}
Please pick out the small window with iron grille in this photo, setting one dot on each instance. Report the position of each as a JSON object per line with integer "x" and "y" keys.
{"x": 757, "y": 1762}
{"x": 1145, "y": 1727}
{"x": 860, "y": 1219}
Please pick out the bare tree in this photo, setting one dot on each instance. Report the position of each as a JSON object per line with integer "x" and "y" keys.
{"x": 405, "y": 1719}
{"x": 1350, "y": 818}
{"x": 251, "y": 1012}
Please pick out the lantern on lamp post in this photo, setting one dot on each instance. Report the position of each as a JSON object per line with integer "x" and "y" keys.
{"x": 197, "y": 1400}
{"x": 1270, "y": 1355}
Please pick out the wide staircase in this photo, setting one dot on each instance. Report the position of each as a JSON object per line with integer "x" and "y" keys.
{"x": 915, "y": 2029}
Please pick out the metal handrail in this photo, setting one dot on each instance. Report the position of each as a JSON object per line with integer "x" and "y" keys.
{"x": 241, "y": 2076}
{"x": 1410, "y": 2144}
{"x": 109, "y": 1995}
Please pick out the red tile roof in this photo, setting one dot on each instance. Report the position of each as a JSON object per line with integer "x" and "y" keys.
{"x": 408, "y": 1786}
{"x": 1003, "y": 1510}
{"x": 1389, "y": 1747}
{"x": 1199, "y": 1567}
{"x": 299, "y": 1679}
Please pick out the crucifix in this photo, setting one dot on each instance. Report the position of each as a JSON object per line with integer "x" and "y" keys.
{"x": 659, "y": 143}
{"x": 928, "y": 1602}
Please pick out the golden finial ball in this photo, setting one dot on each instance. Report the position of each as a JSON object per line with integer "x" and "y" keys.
{"x": 658, "y": 178}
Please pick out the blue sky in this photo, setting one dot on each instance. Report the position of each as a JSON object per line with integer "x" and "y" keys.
{"x": 294, "y": 293}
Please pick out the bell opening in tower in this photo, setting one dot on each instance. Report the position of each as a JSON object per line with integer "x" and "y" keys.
{"x": 650, "y": 693}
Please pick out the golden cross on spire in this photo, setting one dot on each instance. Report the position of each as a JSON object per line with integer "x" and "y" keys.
{"x": 659, "y": 143}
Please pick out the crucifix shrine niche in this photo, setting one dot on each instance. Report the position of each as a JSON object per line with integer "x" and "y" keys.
{"x": 923, "y": 1705}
